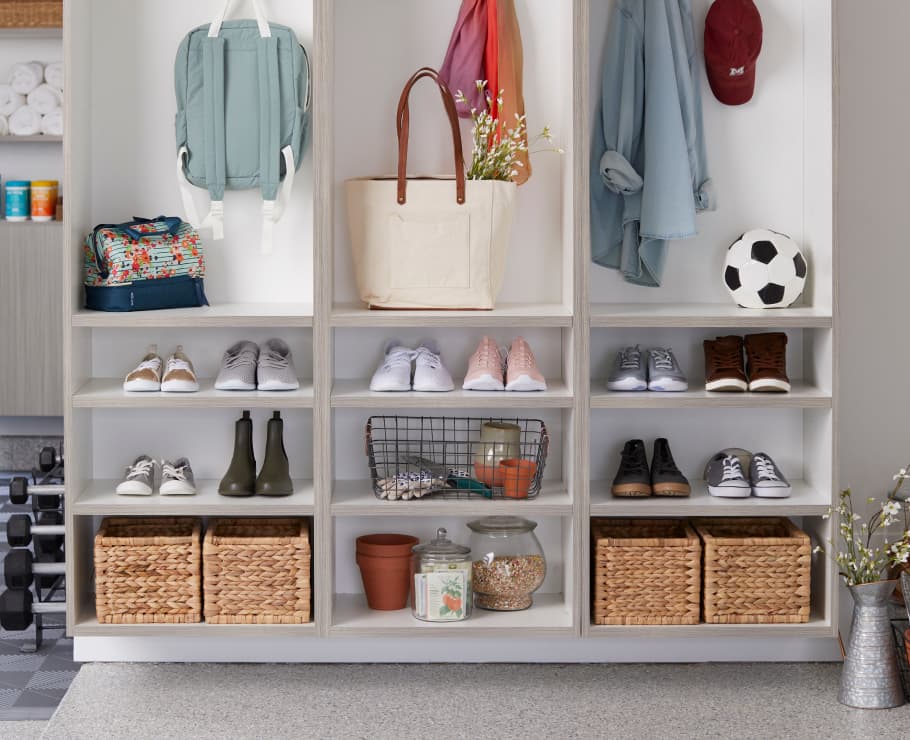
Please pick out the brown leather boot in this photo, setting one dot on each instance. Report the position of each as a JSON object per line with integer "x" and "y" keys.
{"x": 766, "y": 362}
{"x": 724, "y": 369}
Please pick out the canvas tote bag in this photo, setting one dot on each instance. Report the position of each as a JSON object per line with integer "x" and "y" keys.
{"x": 429, "y": 242}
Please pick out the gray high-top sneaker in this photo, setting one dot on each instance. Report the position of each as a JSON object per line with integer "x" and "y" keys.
{"x": 629, "y": 372}
{"x": 664, "y": 373}
{"x": 767, "y": 480}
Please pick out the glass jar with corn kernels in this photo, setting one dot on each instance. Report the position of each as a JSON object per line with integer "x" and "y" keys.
{"x": 509, "y": 563}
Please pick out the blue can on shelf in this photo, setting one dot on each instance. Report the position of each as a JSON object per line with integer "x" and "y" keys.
{"x": 18, "y": 200}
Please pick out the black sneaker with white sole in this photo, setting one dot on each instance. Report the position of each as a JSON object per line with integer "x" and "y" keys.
{"x": 725, "y": 477}
{"x": 766, "y": 478}
{"x": 633, "y": 479}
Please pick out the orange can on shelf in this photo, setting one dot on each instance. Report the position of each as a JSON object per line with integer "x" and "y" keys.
{"x": 44, "y": 200}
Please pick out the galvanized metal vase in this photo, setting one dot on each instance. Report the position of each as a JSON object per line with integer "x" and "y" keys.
{"x": 870, "y": 678}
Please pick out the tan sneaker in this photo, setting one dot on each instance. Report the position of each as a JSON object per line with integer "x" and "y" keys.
{"x": 766, "y": 362}
{"x": 179, "y": 375}
{"x": 522, "y": 373}
{"x": 146, "y": 376}
{"x": 484, "y": 368}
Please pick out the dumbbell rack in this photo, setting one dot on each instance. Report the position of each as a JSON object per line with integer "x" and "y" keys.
{"x": 43, "y": 571}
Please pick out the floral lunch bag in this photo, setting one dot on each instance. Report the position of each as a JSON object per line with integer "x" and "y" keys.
{"x": 144, "y": 264}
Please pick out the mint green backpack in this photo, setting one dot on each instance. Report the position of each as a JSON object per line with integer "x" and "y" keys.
{"x": 243, "y": 98}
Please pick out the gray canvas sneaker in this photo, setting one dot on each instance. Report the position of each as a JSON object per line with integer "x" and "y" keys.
{"x": 664, "y": 373}
{"x": 629, "y": 373}
{"x": 767, "y": 480}
{"x": 138, "y": 478}
{"x": 725, "y": 477}
{"x": 177, "y": 478}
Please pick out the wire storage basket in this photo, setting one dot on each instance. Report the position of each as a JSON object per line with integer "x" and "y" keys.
{"x": 411, "y": 457}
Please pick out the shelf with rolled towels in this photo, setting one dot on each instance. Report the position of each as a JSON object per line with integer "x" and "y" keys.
{"x": 31, "y": 104}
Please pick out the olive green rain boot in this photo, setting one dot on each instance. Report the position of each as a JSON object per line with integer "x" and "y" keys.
{"x": 240, "y": 478}
{"x": 274, "y": 478}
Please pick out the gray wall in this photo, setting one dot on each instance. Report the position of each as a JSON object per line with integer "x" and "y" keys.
{"x": 873, "y": 215}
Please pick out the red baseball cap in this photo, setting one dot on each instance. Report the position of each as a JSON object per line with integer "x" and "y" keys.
{"x": 733, "y": 35}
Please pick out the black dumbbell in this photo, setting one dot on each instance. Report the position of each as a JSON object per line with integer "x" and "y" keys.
{"x": 50, "y": 519}
{"x": 18, "y": 609}
{"x": 19, "y": 490}
{"x": 20, "y": 568}
{"x": 20, "y": 530}
{"x": 48, "y": 459}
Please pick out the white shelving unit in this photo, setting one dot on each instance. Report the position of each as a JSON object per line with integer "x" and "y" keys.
{"x": 574, "y": 314}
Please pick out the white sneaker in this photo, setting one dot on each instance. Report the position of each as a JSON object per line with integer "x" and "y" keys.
{"x": 177, "y": 478}
{"x": 429, "y": 372}
{"x": 275, "y": 370}
{"x": 238, "y": 367}
{"x": 146, "y": 376}
{"x": 394, "y": 374}
{"x": 179, "y": 375}
{"x": 138, "y": 478}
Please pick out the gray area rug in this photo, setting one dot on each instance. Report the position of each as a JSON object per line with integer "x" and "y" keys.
{"x": 464, "y": 701}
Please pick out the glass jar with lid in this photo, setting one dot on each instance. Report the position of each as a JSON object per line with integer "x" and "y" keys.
{"x": 441, "y": 580}
{"x": 509, "y": 563}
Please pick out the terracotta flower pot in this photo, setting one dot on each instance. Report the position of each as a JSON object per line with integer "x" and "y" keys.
{"x": 517, "y": 475}
{"x": 385, "y": 566}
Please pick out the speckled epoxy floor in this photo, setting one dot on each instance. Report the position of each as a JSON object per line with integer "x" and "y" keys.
{"x": 465, "y": 701}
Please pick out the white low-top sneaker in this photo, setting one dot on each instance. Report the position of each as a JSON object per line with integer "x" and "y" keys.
{"x": 177, "y": 478}
{"x": 238, "y": 367}
{"x": 146, "y": 376}
{"x": 138, "y": 478}
{"x": 429, "y": 372}
{"x": 179, "y": 375}
{"x": 394, "y": 374}
{"x": 275, "y": 371}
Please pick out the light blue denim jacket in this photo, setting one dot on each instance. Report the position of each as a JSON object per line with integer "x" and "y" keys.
{"x": 649, "y": 170}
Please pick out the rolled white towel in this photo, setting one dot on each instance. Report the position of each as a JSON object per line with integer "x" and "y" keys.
{"x": 52, "y": 123}
{"x": 10, "y": 100}
{"x": 25, "y": 122}
{"x": 26, "y": 76}
{"x": 53, "y": 75}
{"x": 44, "y": 99}
{"x": 4, "y": 126}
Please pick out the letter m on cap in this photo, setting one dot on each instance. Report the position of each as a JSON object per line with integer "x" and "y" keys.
{"x": 737, "y": 71}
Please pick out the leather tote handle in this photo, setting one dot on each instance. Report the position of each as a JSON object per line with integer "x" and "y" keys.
{"x": 404, "y": 125}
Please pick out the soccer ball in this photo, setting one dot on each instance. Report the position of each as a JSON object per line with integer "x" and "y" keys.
{"x": 764, "y": 269}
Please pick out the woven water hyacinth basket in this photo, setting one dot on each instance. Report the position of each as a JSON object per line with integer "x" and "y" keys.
{"x": 646, "y": 571}
{"x": 257, "y": 571}
{"x": 757, "y": 571}
{"x": 31, "y": 14}
{"x": 148, "y": 571}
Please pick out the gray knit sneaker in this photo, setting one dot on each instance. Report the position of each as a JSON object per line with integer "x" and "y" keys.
{"x": 664, "y": 373}
{"x": 629, "y": 373}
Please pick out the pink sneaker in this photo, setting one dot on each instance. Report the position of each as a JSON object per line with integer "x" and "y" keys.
{"x": 484, "y": 368}
{"x": 522, "y": 373}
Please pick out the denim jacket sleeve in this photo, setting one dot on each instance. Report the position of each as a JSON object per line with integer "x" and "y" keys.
{"x": 616, "y": 177}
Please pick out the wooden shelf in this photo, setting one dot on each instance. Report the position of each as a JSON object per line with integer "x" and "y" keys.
{"x": 30, "y": 33}
{"x": 91, "y": 628}
{"x": 815, "y": 627}
{"x": 356, "y": 498}
{"x": 37, "y": 139}
{"x": 99, "y": 499}
{"x": 801, "y": 396}
{"x": 506, "y": 314}
{"x": 222, "y": 315}
{"x": 549, "y": 615}
{"x": 803, "y": 501}
{"x": 706, "y": 315}
{"x": 356, "y": 394}
{"x": 108, "y": 393}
